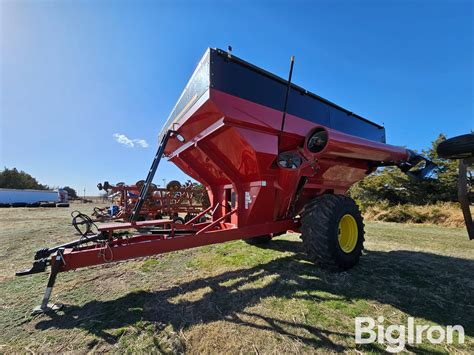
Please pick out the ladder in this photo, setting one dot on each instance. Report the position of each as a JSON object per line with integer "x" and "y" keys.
{"x": 150, "y": 176}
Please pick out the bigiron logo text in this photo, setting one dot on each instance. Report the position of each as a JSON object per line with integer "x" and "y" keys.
{"x": 395, "y": 336}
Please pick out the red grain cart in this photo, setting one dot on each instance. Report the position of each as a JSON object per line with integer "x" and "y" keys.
{"x": 273, "y": 156}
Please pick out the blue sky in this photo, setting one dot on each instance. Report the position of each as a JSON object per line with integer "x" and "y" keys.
{"x": 74, "y": 73}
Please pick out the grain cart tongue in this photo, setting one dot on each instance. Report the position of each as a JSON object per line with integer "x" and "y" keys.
{"x": 272, "y": 156}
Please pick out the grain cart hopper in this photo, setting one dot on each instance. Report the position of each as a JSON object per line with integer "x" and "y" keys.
{"x": 273, "y": 156}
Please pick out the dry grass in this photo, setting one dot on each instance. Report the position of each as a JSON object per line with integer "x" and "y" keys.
{"x": 442, "y": 214}
{"x": 233, "y": 297}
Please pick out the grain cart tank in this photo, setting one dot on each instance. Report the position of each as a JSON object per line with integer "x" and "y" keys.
{"x": 230, "y": 116}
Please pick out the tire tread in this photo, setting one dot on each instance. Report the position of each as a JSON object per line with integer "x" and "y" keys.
{"x": 317, "y": 230}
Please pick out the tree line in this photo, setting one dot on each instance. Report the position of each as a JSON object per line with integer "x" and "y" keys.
{"x": 15, "y": 179}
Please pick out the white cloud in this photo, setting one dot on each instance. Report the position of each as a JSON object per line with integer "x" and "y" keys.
{"x": 131, "y": 143}
{"x": 141, "y": 142}
{"x": 123, "y": 139}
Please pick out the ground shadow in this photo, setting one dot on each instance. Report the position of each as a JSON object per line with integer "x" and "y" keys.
{"x": 424, "y": 285}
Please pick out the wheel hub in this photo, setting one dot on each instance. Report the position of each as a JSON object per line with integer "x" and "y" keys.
{"x": 348, "y": 233}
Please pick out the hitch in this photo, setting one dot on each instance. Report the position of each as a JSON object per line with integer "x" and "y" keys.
{"x": 42, "y": 256}
{"x": 39, "y": 265}
{"x": 43, "y": 259}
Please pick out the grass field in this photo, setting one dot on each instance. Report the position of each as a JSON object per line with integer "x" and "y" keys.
{"x": 234, "y": 297}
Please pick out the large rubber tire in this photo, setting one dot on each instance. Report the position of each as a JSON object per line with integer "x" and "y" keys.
{"x": 19, "y": 204}
{"x": 173, "y": 185}
{"x": 459, "y": 147}
{"x": 47, "y": 204}
{"x": 321, "y": 231}
{"x": 178, "y": 220}
{"x": 264, "y": 239}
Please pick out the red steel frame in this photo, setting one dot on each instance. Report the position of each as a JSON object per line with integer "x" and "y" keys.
{"x": 150, "y": 244}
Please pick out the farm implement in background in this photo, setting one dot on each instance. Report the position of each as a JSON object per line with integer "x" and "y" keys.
{"x": 462, "y": 148}
{"x": 177, "y": 202}
{"x": 273, "y": 158}
{"x": 174, "y": 200}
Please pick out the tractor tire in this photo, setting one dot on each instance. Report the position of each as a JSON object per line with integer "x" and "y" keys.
{"x": 332, "y": 230}
{"x": 47, "y": 204}
{"x": 264, "y": 239}
{"x": 459, "y": 147}
{"x": 178, "y": 220}
{"x": 19, "y": 204}
{"x": 173, "y": 185}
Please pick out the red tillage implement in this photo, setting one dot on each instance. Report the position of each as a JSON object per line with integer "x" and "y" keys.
{"x": 273, "y": 157}
{"x": 171, "y": 201}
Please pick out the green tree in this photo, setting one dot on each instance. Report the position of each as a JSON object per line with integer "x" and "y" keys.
{"x": 200, "y": 195}
{"x": 14, "y": 179}
{"x": 444, "y": 187}
{"x": 70, "y": 191}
